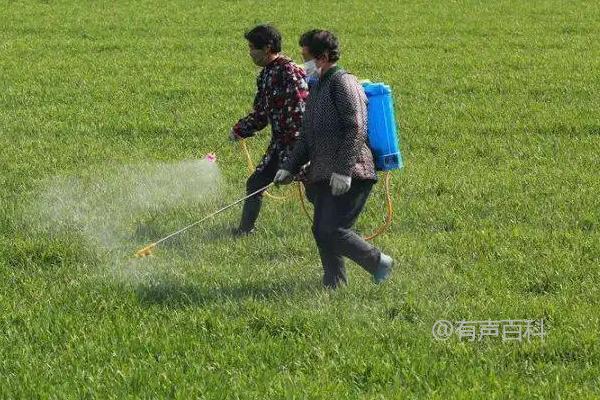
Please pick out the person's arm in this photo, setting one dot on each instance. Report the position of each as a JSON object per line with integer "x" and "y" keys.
{"x": 299, "y": 155}
{"x": 257, "y": 119}
{"x": 350, "y": 103}
{"x": 293, "y": 164}
{"x": 291, "y": 101}
{"x": 296, "y": 93}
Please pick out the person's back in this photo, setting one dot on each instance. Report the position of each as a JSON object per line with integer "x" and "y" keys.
{"x": 279, "y": 101}
{"x": 338, "y": 104}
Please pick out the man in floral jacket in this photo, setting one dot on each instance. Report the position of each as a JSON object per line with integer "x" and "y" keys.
{"x": 279, "y": 101}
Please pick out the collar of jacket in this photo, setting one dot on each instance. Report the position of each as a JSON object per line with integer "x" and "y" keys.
{"x": 281, "y": 59}
{"x": 330, "y": 72}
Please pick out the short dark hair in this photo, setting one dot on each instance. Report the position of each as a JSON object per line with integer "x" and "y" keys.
{"x": 319, "y": 41}
{"x": 264, "y": 35}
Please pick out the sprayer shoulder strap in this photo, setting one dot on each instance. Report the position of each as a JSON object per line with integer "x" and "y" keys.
{"x": 340, "y": 73}
{"x": 331, "y": 84}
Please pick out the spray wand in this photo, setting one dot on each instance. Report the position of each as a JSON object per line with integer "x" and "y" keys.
{"x": 146, "y": 251}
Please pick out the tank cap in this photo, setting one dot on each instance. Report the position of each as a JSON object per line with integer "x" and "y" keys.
{"x": 376, "y": 89}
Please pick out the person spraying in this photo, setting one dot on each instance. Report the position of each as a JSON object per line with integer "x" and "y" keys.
{"x": 279, "y": 101}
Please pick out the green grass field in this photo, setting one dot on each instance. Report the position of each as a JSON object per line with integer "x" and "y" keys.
{"x": 497, "y": 212}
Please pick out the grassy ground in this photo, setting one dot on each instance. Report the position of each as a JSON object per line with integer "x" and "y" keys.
{"x": 497, "y": 210}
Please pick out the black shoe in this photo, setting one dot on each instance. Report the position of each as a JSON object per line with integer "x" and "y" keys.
{"x": 238, "y": 232}
{"x": 335, "y": 282}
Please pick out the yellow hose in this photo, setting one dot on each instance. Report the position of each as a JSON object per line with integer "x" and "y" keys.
{"x": 301, "y": 194}
{"x": 251, "y": 168}
{"x": 389, "y": 210}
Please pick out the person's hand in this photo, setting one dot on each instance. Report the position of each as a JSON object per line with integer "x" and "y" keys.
{"x": 283, "y": 177}
{"x": 233, "y": 137}
{"x": 340, "y": 184}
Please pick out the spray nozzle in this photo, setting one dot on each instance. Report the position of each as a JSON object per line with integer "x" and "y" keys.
{"x": 146, "y": 251}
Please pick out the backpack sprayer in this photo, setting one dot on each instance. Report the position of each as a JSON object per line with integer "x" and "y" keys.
{"x": 383, "y": 139}
{"x": 383, "y": 142}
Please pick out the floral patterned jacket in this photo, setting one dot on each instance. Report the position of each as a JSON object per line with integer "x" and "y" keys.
{"x": 280, "y": 101}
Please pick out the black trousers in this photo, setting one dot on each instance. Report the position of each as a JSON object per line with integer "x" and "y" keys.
{"x": 332, "y": 223}
{"x": 260, "y": 178}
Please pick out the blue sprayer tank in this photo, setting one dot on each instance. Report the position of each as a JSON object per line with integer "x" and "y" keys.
{"x": 383, "y": 138}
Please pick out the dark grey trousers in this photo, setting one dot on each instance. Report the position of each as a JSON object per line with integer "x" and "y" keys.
{"x": 259, "y": 179}
{"x": 332, "y": 223}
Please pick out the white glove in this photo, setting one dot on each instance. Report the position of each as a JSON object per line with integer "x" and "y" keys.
{"x": 283, "y": 177}
{"x": 340, "y": 184}
{"x": 233, "y": 137}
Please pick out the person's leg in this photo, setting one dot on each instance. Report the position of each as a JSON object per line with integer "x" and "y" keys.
{"x": 252, "y": 205}
{"x": 347, "y": 242}
{"x": 334, "y": 271}
{"x": 309, "y": 192}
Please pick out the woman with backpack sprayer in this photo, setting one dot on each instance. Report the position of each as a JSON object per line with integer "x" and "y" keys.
{"x": 342, "y": 170}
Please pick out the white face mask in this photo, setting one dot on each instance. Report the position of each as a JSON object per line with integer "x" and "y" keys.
{"x": 311, "y": 68}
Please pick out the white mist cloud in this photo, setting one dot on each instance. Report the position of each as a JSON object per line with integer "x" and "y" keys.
{"x": 107, "y": 208}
